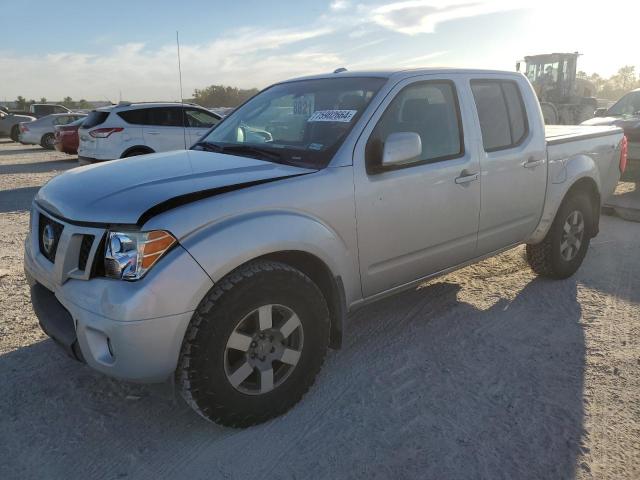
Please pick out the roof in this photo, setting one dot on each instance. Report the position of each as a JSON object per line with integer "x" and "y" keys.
{"x": 134, "y": 105}
{"x": 400, "y": 74}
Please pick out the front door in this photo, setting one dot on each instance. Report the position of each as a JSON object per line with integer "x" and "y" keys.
{"x": 420, "y": 218}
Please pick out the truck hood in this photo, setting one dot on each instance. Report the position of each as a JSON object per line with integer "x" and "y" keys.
{"x": 131, "y": 190}
{"x": 626, "y": 123}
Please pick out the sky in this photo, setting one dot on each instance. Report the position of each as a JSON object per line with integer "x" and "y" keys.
{"x": 127, "y": 49}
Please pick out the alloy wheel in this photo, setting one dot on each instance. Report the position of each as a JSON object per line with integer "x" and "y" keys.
{"x": 264, "y": 349}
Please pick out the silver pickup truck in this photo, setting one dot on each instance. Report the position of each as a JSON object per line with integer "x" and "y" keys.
{"x": 232, "y": 266}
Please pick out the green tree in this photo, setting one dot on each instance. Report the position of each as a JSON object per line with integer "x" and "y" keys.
{"x": 222, "y": 96}
{"x": 83, "y": 104}
{"x": 68, "y": 102}
{"x": 43, "y": 100}
{"x": 21, "y": 103}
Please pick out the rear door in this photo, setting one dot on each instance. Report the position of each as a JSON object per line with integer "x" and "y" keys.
{"x": 422, "y": 217}
{"x": 198, "y": 123}
{"x": 512, "y": 161}
{"x": 164, "y": 129}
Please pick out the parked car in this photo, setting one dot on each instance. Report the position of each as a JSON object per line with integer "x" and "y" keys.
{"x": 40, "y": 110}
{"x": 10, "y": 124}
{"x": 625, "y": 113}
{"x": 130, "y": 129}
{"x": 232, "y": 266}
{"x": 66, "y": 137}
{"x": 41, "y": 131}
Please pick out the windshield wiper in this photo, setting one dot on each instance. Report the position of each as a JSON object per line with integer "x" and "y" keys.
{"x": 255, "y": 151}
{"x": 261, "y": 153}
{"x": 209, "y": 147}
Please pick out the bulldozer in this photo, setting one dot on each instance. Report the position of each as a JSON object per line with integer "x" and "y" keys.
{"x": 565, "y": 99}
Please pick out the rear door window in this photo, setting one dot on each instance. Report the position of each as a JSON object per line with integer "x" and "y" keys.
{"x": 501, "y": 113}
{"x": 166, "y": 117}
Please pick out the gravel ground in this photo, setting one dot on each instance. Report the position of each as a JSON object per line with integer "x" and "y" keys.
{"x": 489, "y": 372}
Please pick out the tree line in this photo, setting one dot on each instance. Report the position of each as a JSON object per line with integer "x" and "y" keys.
{"x": 222, "y": 96}
{"x": 611, "y": 88}
{"x": 24, "y": 104}
{"x": 616, "y": 85}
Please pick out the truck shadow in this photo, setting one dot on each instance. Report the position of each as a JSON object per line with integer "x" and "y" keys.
{"x": 39, "y": 167}
{"x": 426, "y": 386}
{"x": 17, "y": 199}
{"x": 18, "y": 151}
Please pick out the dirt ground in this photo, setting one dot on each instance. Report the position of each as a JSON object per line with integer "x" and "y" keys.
{"x": 489, "y": 372}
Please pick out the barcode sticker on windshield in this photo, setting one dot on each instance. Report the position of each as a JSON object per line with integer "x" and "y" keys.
{"x": 332, "y": 116}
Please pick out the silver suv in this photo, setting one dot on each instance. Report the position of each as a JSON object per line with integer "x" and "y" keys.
{"x": 130, "y": 129}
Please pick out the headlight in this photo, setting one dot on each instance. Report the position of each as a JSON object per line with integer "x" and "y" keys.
{"x": 129, "y": 255}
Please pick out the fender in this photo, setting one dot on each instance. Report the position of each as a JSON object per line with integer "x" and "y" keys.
{"x": 221, "y": 247}
{"x": 566, "y": 174}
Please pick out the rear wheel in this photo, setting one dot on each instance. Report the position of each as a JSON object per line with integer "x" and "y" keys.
{"x": 15, "y": 133}
{"x": 47, "y": 141}
{"x": 255, "y": 345}
{"x": 564, "y": 247}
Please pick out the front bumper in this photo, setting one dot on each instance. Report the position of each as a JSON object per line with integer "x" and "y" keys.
{"x": 128, "y": 330}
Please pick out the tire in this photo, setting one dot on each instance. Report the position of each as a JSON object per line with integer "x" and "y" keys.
{"x": 555, "y": 257}
{"x": 210, "y": 371}
{"x": 15, "y": 133}
{"x": 47, "y": 141}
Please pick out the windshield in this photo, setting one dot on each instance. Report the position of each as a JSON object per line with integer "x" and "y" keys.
{"x": 627, "y": 105}
{"x": 301, "y": 122}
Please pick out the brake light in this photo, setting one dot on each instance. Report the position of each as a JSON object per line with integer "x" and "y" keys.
{"x": 624, "y": 150}
{"x": 104, "y": 132}
{"x": 23, "y": 128}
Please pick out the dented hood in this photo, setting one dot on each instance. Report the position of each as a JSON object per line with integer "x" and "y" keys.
{"x": 131, "y": 190}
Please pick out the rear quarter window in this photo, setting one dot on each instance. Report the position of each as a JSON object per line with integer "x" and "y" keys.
{"x": 138, "y": 116}
{"x": 95, "y": 118}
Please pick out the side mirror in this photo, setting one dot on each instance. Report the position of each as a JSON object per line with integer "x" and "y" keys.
{"x": 600, "y": 112}
{"x": 401, "y": 147}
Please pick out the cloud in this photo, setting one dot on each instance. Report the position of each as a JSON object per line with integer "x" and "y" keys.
{"x": 248, "y": 58}
{"x": 338, "y": 5}
{"x": 413, "y": 17}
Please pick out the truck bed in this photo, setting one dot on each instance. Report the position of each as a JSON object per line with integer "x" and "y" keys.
{"x": 556, "y": 134}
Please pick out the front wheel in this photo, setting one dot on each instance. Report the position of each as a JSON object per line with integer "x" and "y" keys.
{"x": 255, "y": 345}
{"x": 564, "y": 247}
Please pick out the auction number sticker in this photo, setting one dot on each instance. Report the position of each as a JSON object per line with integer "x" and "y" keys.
{"x": 332, "y": 116}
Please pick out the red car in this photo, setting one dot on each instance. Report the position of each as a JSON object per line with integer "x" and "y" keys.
{"x": 66, "y": 137}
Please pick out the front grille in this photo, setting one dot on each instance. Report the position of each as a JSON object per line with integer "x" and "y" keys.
{"x": 49, "y": 251}
{"x": 85, "y": 249}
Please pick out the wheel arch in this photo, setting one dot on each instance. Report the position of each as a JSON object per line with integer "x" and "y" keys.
{"x": 141, "y": 148}
{"x": 331, "y": 286}
{"x": 556, "y": 196}
{"x": 293, "y": 238}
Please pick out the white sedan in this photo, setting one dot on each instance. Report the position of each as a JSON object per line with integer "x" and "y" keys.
{"x": 41, "y": 131}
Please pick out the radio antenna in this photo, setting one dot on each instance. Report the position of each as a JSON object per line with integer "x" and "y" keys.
{"x": 184, "y": 119}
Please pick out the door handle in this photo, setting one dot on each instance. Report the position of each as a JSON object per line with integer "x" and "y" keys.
{"x": 153, "y": 133}
{"x": 466, "y": 177}
{"x": 532, "y": 162}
